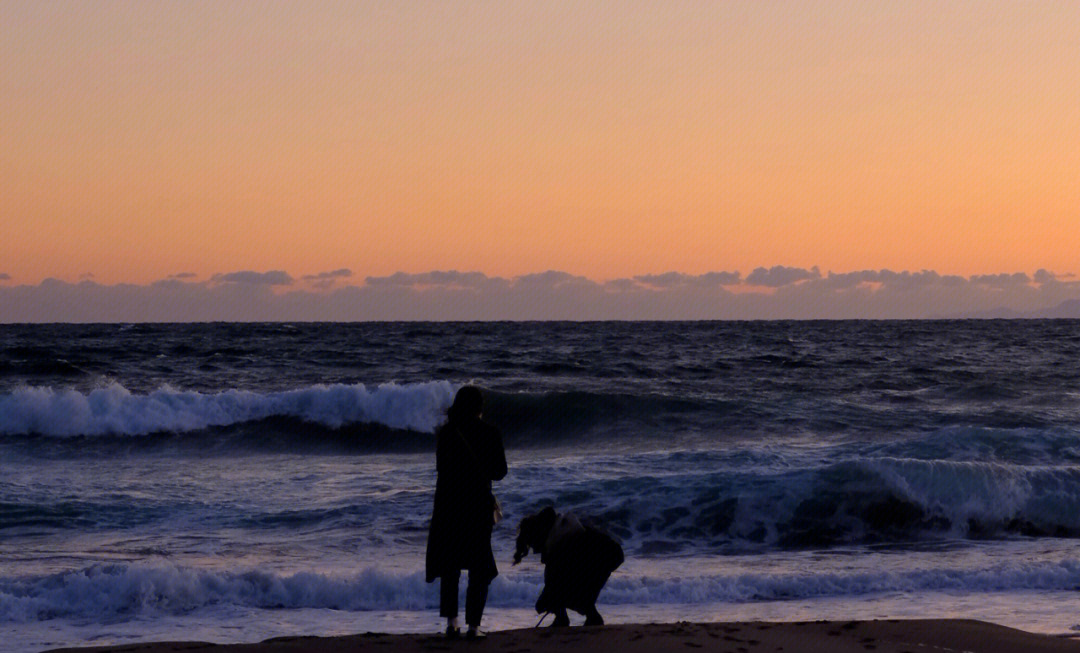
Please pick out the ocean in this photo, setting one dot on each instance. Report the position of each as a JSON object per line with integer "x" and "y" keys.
{"x": 235, "y": 482}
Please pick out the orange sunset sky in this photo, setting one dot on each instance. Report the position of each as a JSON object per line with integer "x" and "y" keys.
{"x": 605, "y": 139}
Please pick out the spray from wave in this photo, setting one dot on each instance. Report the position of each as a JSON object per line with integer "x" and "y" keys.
{"x": 124, "y": 591}
{"x": 113, "y": 410}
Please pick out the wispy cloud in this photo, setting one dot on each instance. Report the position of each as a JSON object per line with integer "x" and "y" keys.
{"x": 4, "y": 276}
{"x": 1003, "y": 280}
{"x": 332, "y": 274}
{"x": 1045, "y": 276}
{"x": 250, "y": 277}
{"x": 670, "y": 280}
{"x": 779, "y": 275}
{"x": 435, "y": 278}
{"x": 766, "y": 293}
{"x": 439, "y": 280}
{"x": 325, "y": 280}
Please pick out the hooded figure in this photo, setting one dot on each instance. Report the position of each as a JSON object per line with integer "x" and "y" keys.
{"x": 469, "y": 455}
{"x": 578, "y": 558}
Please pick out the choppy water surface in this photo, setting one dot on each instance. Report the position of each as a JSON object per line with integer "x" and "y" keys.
{"x": 237, "y": 481}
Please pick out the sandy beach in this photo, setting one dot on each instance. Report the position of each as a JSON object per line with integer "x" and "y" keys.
{"x": 888, "y": 636}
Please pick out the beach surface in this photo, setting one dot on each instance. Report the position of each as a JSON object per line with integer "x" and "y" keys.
{"x": 882, "y": 636}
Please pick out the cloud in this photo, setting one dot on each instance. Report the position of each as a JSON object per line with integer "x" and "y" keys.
{"x": 623, "y": 285}
{"x": 910, "y": 281}
{"x": 720, "y": 278}
{"x": 332, "y": 274}
{"x": 772, "y": 293}
{"x": 325, "y": 280}
{"x": 676, "y": 279}
{"x": 552, "y": 279}
{"x": 1001, "y": 280}
{"x": 887, "y": 280}
{"x": 182, "y": 275}
{"x": 780, "y": 275}
{"x": 847, "y": 280}
{"x": 1045, "y": 276}
{"x": 250, "y": 277}
{"x": 85, "y": 276}
{"x": 4, "y": 276}
{"x": 433, "y": 279}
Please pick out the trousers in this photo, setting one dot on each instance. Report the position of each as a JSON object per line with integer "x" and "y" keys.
{"x": 475, "y": 597}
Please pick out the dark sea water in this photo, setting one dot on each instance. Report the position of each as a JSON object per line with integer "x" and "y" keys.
{"x": 232, "y": 482}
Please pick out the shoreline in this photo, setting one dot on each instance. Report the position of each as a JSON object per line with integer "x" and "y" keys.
{"x": 879, "y": 636}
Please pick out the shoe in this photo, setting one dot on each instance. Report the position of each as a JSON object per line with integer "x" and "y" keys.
{"x": 453, "y": 633}
{"x": 473, "y": 635}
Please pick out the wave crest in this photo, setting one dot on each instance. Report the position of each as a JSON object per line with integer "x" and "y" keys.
{"x": 123, "y": 591}
{"x": 114, "y": 410}
{"x": 860, "y": 501}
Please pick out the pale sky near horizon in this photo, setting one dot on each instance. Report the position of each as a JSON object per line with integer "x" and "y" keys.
{"x": 606, "y": 139}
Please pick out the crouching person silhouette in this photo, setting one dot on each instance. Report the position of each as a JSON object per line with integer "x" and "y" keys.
{"x": 578, "y": 558}
{"x": 469, "y": 455}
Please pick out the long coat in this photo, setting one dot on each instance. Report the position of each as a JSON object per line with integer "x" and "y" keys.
{"x": 469, "y": 455}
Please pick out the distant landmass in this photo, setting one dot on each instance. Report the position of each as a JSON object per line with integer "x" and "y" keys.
{"x": 1068, "y": 309}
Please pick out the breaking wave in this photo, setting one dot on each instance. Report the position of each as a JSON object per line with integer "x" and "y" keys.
{"x": 857, "y": 501}
{"x": 125, "y": 591}
{"x": 113, "y": 410}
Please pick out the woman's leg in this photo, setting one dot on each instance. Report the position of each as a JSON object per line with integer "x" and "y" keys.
{"x": 448, "y": 595}
{"x": 475, "y": 598}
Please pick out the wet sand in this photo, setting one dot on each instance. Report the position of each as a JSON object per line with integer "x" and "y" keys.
{"x": 887, "y": 636}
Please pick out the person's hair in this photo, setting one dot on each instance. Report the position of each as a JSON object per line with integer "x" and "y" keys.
{"x": 533, "y": 532}
{"x": 468, "y": 402}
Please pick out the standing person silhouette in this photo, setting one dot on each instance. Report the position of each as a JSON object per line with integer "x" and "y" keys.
{"x": 469, "y": 455}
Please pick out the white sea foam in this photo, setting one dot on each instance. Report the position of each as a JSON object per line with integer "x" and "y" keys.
{"x": 120, "y": 591}
{"x": 115, "y": 410}
{"x": 720, "y": 507}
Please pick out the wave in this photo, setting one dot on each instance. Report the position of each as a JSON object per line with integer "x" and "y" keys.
{"x": 544, "y": 417}
{"x": 857, "y": 501}
{"x": 113, "y": 410}
{"x": 45, "y": 366}
{"x": 64, "y": 514}
{"x": 742, "y": 497}
{"x": 119, "y": 591}
{"x": 1026, "y": 446}
{"x": 559, "y": 414}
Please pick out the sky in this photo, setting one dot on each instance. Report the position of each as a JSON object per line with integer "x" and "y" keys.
{"x": 602, "y": 140}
